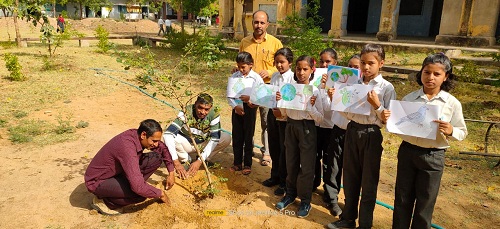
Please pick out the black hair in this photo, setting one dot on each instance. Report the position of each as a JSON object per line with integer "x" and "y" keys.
{"x": 330, "y": 51}
{"x": 286, "y": 52}
{"x": 439, "y": 58}
{"x": 355, "y": 56}
{"x": 150, "y": 126}
{"x": 312, "y": 63}
{"x": 244, "y": 58}
{"x": 204, "y": 98}
{"x": 267, "y": 15}
{"x": 374, "y": 48}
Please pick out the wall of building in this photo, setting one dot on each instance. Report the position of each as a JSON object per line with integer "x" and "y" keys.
{"x": 373, "y": 22}
{"x": 416, "y": 25}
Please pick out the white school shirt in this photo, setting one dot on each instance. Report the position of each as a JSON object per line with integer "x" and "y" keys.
{"x": 327, "y": 121}
{"x": 168, "y": 22}
{"x": 315, "y": 112}
{"x": 336, "y": 118}
{"x": 386, "y": 93}
{"x": 451, "y": 111}
{"x": 251, "y": 75}
{"x": 160, "y": 22}
{"x": 278, "y": 79}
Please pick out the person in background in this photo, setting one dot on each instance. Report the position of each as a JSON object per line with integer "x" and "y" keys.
{"x": 160, "y": 25}
{"x": 168, "y": 25}
{"x": 60, "y": 23}
{"x": 262, "y": 47}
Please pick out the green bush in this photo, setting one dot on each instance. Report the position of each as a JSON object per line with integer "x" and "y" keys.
{"x": 102, "y": 35}
{"x": 26, "y": 130}
{"x": 12, "y": 64}
{"x": 470, "y": 72}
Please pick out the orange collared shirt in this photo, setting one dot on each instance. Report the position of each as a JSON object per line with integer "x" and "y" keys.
{"x": 262, "y": 53}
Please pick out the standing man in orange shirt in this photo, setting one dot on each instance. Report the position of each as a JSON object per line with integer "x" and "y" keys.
{"x": 262, "y": 46}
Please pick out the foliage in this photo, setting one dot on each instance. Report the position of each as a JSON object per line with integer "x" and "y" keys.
{"x": 19, "y": 114}
{"x": 210, "y": 10}
{"x": 469, "y": 72}
{"x": 82, "y": 124}
{"x": 202, "y": 46}
{"x": 64, "y": 125}
{"x": 26, "y": 130}
{"x": 54, "y": 40}
{"x": 102, "y": 35}
{"x": 304, "y": 34}
{"x": 12, "y": 64}
{"x": 196, "y": 6}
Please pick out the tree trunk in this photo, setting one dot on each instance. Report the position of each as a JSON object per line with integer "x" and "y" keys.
{"x": 54, "y": 9}
{"x": 81, "y": 11}
{"x": 16, "y": 24}
{"x": 243, "y": 24}
{"x": 181, "y": 11}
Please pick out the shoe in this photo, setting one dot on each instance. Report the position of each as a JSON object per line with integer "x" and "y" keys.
{"x": 334, "y": 209}
{"x": 236, "y": 168}
{"x": 270, "y": 182}
{"x": 304, "y": 210}
{"x": 285, "y": 202}
{"x": 343, "y": 223}
{"x": 280, "y": 191}
{"x": 100, "y": 206}
{"x": 209, "y": 164}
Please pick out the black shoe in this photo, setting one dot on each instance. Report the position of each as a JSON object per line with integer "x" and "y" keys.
{"x": 285, "y": 202}
{"x": 209, "y": 164}
{"x": 280, "y": 191}
{"x": 334, "y": 209}
{"x": 343, "y": 223}
{"x": 270, "y": 182}
{"x": 304, "y": 210}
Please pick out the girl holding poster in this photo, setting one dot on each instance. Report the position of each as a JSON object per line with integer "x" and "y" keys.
{"x": 363, "y": 144}
{"x": 300, "y": 142}
{"x": 421, "y": 160}
{"x": 276, "y": 123}
{"x": 243, "y": 117}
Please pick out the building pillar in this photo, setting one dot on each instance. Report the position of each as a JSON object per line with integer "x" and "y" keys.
{"x": 388, "y": 20}
{"x": 339, "y": 19}
{"x": 468, "y": 22}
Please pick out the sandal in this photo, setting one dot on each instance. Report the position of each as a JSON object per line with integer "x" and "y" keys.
{"x": 235, "y": 168}
{"x": 246, "y": 170}
{"x": 266, "y": 160}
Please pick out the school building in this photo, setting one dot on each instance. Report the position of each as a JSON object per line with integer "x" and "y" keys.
{"x": 453, "y": 22}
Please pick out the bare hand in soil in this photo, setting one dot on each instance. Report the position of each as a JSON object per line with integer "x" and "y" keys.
{"x": 180, "y": 169}
{"x": 170, "y": 181}
{"x": 193, "y": 169}
{"x": 164, "y": 198}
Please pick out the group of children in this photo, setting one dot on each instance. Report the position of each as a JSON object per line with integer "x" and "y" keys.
{"x": 348, "y": 142}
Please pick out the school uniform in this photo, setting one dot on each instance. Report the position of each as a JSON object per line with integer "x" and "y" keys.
{"x": 362, "y": 154}
{"x": 243, "y": 127}
{"x": 323, "y": 130}
{"x": 421, "y": 163}
{"x": 276, "y": 131}
{"x": 333, "y": 159}
{"x": 300, "y": 145}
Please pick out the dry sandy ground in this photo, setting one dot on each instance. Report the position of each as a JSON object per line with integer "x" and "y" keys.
{"x": 42, "y": 186}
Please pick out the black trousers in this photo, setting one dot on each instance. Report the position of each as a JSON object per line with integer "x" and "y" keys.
{"x": 332, "y": 165}
{"x": 276, "y": 136}
{"x": 363, "y": 150}
{"x": 323, "y": 141}
{"x": 243, "y": 130}
{"x": 417, "y": 185}
{"x": 300, "y": 144}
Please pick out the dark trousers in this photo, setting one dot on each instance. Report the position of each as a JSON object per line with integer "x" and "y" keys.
{"x": 332, "y": 165}
{"x": 243, "y": 131}
{"x": 322, "y": 143}
{"x": 417, "y": 185}
{"x": 116, "y": 191}
{"x": 161, "y": 30}
{"x": 363, "y": 150}
{"x": 276, "y": 135}
{"x": 300, "y": 144}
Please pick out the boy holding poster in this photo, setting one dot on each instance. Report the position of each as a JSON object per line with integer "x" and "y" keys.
{"x": 243, "y": 116}
{"x": 421, "y": 160}
{"x": 300, "y": 142}
{"x": 363, "y": 144}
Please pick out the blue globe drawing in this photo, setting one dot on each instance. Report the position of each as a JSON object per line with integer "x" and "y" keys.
{"x": 288, "y": 92}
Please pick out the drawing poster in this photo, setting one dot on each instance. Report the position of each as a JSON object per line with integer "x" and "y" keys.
{"x": 351, "y": 98}
{"x": 264, "y": 95}
{"x": 413, "y": 119}
{"x": 318, "y": 74}
{"x": 295, "y": 96}
{"x": 239, "y": 86}
{"x": 339, "y": 74}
